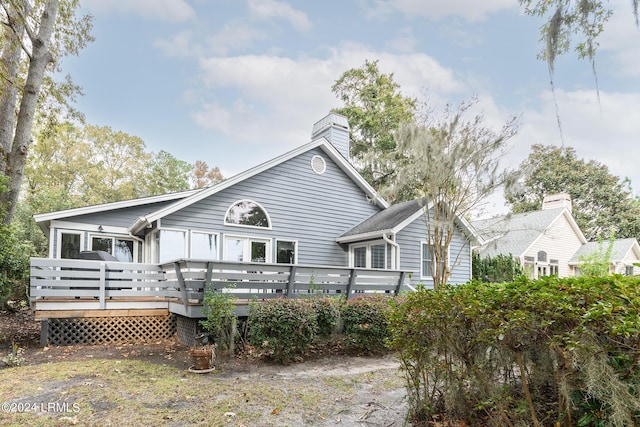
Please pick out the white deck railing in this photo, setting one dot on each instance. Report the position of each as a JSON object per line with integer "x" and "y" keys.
{"x": 183, "y": 281}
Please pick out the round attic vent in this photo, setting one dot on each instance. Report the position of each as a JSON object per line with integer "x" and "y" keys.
{"x": 318, "y": 165}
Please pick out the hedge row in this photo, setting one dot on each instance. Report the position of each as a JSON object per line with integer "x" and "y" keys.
{"x": 285, "y": 328}
{"x": 559, "y": 352}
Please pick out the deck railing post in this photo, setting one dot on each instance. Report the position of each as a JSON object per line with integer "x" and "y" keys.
{"x": 292, "y": 281}
{"x": 352, "y": 280}
{"x": 183, "y": 287}
{"x": 103, "y": 278}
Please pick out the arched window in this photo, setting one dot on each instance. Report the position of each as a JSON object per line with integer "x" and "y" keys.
{"x": 247, "y": 213}
{"x": 542, "y": 256}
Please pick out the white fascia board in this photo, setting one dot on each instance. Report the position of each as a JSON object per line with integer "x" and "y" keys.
{"x": 110, "y": 206}
{"x": 574, "y": 225}
{"x": 473, "y": 237}
{"x": 106, "y": 229}
{"x": 363, "y": 236}
{"x": 353, "y": 173}
{"x": 321, "y": 142}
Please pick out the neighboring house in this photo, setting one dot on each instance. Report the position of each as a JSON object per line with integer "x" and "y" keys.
{"x": 624, "y": 254}
{"x": 308, "y": 206}
{"x": 549, "y": 241}
{"x": 543, "y": 241}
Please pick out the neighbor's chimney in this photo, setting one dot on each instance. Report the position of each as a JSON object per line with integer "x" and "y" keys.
{"x": 559, "y": 200}
{"x": 335, "y": 128}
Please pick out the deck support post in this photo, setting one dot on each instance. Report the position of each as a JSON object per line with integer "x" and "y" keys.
{"x": 292, "y": 281}
{"x": 400, "y": 282}
{"x": 44, "y": 332}
{"x": 183, "y": 288}
{"x": 352, "y": 280}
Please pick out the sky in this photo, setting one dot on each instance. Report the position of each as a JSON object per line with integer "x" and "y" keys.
{"x": 235, "y": 83}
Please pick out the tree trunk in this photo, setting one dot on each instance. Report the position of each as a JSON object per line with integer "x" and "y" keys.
{"x": 40, "y": 58}
{"x": 9, "y": 86}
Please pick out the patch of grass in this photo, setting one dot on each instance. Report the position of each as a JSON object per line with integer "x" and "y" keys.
{"x": 131, "y": 392}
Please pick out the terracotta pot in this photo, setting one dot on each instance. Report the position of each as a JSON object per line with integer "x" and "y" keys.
{"x": 201, "y": 358}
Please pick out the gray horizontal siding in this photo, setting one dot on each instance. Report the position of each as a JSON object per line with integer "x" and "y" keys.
{"x": 410, "y": 240}
{"x": 119, "y": 218}
{"x": 302, "y": 205}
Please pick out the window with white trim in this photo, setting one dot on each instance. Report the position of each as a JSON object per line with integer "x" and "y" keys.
{"x": 169, "y": 245}
{"x": 69, "y": 245}
{"x": 427, "y": 261}
{"x": 204, "y": 245}
{"x": 247, "y": 249}
{"x": 286, "y": 252}
{"x": 121, "y": 248}
{"x": 369, "y": 255}
{"x": 247, "y": 213}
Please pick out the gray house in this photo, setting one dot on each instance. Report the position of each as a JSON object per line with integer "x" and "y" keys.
{"x": 308, "y": 206}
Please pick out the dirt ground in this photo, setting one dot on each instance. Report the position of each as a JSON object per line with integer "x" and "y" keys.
{"x": 368, "y": 406}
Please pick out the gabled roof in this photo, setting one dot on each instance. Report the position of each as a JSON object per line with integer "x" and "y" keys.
{"x": 393, "y": 220}
{"x": 320, "y": 143}
{"x": 621, "y": 249}
{"x": 515, "y": 233}
{"x": 44, "y": 219}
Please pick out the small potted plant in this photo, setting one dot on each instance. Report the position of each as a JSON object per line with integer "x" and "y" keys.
{"x": 202, "y": 354}
{"x": 220, "y": 309}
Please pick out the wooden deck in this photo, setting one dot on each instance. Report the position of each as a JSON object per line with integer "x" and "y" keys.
{"x": 62, "y": 288}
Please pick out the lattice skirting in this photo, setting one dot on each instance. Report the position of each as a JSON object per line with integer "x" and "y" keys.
{"x": 102, "y": 330}
{"x": 187, "y": 329}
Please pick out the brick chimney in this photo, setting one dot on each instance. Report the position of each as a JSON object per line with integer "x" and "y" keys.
{"x": 335, "y": 128}
{"x": 559, "y": 200}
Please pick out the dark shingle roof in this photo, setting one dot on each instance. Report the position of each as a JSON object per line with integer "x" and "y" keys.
{"x": 386, "y": 219}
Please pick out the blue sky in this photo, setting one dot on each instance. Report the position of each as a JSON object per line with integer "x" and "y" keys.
{"x": 237, "y": 82}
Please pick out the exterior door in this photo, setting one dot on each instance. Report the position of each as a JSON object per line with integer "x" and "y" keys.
{"x": 246, "y": 249}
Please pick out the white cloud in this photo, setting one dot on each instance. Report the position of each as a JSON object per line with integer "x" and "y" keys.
{"x": 266, "y": 9}
{"x": 234, "y": 37}
{"x": 471, "y": 10}
{"x": 621, "y": 39}
{"x": 163, "y": 10}
{"x": 607, "y": 132}
{"x": 180, "y": 45}
{"x": 299, "y": 90}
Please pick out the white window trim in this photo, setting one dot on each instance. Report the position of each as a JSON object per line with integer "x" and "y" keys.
{"x": 190, "y": 242}
{"x": 224, "y": 219}
{"x": 60, "y": 232}
{"x": 113, "y": 237}
{"x": 295, "y": 243}
{"x": 422, "y": 243}
{"x": 353, "y": 246}
{"x": 152, "y": 251}
{"x": 248, "y": 239}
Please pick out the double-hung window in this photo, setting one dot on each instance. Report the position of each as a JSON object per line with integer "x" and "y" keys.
{"x": 369, "y": 255}
{"x": 428, "y": 257}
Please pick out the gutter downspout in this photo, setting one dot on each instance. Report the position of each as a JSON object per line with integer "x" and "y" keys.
{"x": 396, "y": 261}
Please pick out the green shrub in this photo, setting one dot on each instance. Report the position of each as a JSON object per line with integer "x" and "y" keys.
{"x": 283, "y": 328}
{"x": 219, "y": 307}
{"x": 529, "y": 352}
{"x": 366, "y": 324}
{"x": 327, "y": 313}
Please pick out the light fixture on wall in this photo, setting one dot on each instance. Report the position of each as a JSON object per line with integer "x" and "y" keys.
{"x": 100, "y": 229}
